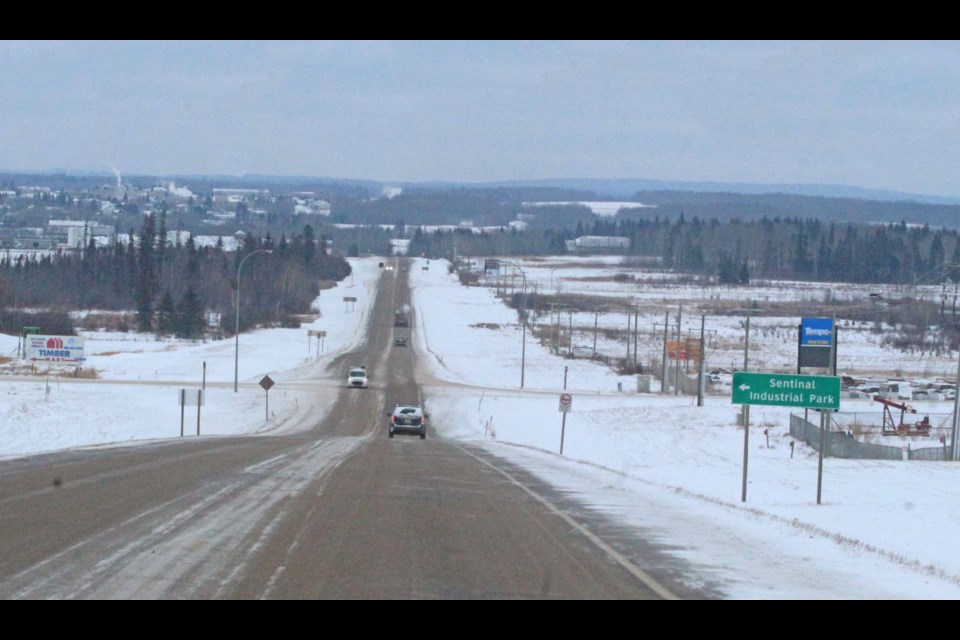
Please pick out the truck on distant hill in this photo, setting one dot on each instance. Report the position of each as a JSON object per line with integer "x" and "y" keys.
{"x": 401, "y": 317}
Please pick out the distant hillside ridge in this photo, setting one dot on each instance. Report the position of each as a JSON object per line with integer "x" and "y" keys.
{"x": 627, "y": 187}
{"x": 729, "y": 206}
{"x": 375, "y": 202}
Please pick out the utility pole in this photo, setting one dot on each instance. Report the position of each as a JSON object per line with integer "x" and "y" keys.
{"x": 523, "y": 300}
{"x": 555, "y": 340}
{"x": 676, "y": 386}
{"x": 636, "y": 328}
{"x": 956, "y": 414}
{"x": 556, "y": 347}
{"x": 700, "y": 378}
{"x": 596, "y": 318}
{"x": 523, "y": 343}
{"x": 664, "y": 386}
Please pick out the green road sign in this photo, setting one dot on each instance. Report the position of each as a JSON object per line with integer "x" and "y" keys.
{"x": 785, "y": 390}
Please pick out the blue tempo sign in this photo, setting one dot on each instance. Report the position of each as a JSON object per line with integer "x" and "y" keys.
{"x": 816, "y": 332}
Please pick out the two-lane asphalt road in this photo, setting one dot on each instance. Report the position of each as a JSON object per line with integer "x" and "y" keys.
{"x": 337, "y": 512}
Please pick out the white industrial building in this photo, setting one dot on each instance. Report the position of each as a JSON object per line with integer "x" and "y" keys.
{"x": 586, "y": 244}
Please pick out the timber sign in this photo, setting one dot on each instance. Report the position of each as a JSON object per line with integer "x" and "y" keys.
{"x": 785, "y": 390}
{"x": 63, "y": 349}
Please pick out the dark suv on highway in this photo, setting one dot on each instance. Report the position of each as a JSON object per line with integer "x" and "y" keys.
{"x": 408, "y": 419}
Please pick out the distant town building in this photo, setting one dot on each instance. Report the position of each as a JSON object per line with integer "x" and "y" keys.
{"x": 586, "y": 244}
{"x": 179, "y": 192}
{"x": 234, "y": 196}
{"x": 311, "y": 208}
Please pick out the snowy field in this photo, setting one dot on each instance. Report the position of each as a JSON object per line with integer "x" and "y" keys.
{"x": 656, "y": 462}
{"x": 140, "y": 377}
{"x": 622, "y": 287}
{"x": 663, "y": 464}
{"x": 604, "y": 208}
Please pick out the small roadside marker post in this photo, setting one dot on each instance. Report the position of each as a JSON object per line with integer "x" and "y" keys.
{"x": 566, "y": 403}
{"x": 266, "y": 383}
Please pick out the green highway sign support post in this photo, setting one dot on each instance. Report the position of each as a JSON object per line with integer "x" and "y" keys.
{"x": 825, "y": 415}
{"x": 785, "y": 390}
{"x": 745, "y": 412}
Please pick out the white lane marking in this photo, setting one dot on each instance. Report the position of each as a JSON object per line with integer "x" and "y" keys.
{"x": 183, "y": 546}
{"x": 636, "y": 571}
{"x": 298, "y": 539}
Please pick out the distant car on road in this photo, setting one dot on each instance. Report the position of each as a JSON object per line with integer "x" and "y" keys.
{"x": 408, "y": 419}
{"x": 357, "y": 378}
{"x": 400, "y": 341}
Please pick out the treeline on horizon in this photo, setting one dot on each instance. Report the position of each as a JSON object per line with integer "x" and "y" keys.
{"x": 736, "y": 251}
{"x": 730, "y": 237}
{"x": 499, "y": 206}
{"x": 171, "y": 287}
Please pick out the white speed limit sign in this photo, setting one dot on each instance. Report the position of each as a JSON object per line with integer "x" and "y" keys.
{"x": 566, "y": 402}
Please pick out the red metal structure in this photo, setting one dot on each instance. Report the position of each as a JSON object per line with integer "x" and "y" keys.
{"x": 901, "y": 428}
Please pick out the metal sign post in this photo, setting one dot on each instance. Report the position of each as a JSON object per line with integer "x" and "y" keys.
{"x": 745, "y": 412}
{"x": 566, "y": 404}
{"x": 664, "y": 384}
{"x": 189, "y": 397}
{"x": 320, "y": 334}
{"x": 676, "y": 383}
{"x": 266, "y": 383}
{"x": 824, "y": 422}
{"x": 21, "y": 343}
{"x": 825, "y": 415}
{"x": 787, "y": 390}
{"x": 956, "y": 418}
{"x": 700, "y": 370}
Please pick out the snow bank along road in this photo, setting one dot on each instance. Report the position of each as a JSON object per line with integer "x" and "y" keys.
{"x": 334, "y": 511}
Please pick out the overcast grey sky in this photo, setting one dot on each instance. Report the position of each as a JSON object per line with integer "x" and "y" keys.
{"x": 882, "y": 115}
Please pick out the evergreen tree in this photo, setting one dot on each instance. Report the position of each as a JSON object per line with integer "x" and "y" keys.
{"x": 955, "y": 261}
{"x": 937, "y": 255}
{"x": 162, "y": 241}
{"x": 824, "y": 268}
{"x": 166, "y": 315}
{"x": 146, "y": 275}
{"x": 727, "y": 269}
{"x": 744, "y": 276}
{"x": 309, "y": 245}
{"x": 802, "y": 263}
{"x": 189, "y": 315}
